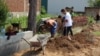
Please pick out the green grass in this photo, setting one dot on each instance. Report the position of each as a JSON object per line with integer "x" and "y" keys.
{"x": 97, "y": 33}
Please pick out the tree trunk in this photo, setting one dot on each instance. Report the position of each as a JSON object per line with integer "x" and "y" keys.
{"x": 32, "y": 16}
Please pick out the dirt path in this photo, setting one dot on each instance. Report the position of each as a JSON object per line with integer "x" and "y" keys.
{"x": 96, "y": 50}
{"x": 77, "y": 30}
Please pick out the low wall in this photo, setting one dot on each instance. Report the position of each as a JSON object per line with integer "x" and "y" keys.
{"x": 92, "y": 11}
{"x": 15, "y": 44}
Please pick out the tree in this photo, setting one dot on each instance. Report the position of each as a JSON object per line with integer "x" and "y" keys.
{"x": 94, "y": 3}
{"x": 3, "y": 12}
{"x": 32, "y": 15}
{"x": 91, "y": 3}
{"x": 97, "y": 3}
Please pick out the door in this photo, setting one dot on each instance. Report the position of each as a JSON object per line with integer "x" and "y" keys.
{"x": 45, "y": 4}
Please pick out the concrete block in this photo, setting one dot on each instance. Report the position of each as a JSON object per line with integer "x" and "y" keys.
{"x": 15, "y": 44}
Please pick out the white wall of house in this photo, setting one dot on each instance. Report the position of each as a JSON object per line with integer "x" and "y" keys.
{"x": 54, "y": 6}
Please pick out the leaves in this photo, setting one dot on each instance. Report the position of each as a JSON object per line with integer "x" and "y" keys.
{"x": 3, "y": 12}
{"x": 43, "y": 10}
{"x": 21, "y": 20}
{"x": 91, "y": 20}
{"x": 94, "y": 3}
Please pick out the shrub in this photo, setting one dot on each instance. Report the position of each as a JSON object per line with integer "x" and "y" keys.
{"x": 3, "y": 13}
{"x": 94, "y": 3}
{"x": 43, "y": 10}
{"x": 42, "y": 16}
{"x": 91, "y": 20}
{"x": 21, "y": 20}
{"x": 75, "y": 14}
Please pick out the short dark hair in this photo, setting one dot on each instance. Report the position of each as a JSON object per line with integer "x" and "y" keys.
{"x": 67, "y": 8}
{"x": 44, "y": 22}
{"x": 62, "y": 10}
{"x": 59, "y": 16}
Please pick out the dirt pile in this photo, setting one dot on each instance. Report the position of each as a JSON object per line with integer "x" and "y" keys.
{"x": 62, "y": 44}
{"x": 94, "y": 27}
{"x": 80, "y": 40}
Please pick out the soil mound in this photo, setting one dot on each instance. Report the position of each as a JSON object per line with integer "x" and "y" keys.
{"x": 79, "y": 40}
{"x": 94, "y": 27}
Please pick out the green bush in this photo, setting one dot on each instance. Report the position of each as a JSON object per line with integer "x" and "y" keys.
{"x": 94, "y": 3}
{"x": 21, "y": 20}
{"x": 75, "y": 14}
{"x": 3, "y": 13}
{"x": 97, "y": 3}
{"x": 43, "y": 10}
{"x": 91, "y": 20}
{"x": 43, "y": 16}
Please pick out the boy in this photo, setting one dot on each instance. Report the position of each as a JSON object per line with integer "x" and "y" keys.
{"x": 67, "y": 23}
{"x": 52, "y": 24}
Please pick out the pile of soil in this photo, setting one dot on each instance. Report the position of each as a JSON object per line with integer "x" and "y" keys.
{"x": 62, "y": 44}
{"x": 94, "y": 27}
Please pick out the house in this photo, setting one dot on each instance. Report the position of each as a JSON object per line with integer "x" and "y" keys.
{"x": 21, "y": 7}
{"x": 54, "y": 6}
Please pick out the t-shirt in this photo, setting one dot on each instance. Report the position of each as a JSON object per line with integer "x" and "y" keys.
{"x": 69, "y": 20}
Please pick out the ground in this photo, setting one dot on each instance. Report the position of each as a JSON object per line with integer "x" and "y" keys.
{"x": 92, "y": 50}
{"x": 85, "y": 42}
